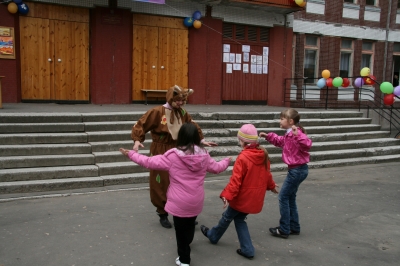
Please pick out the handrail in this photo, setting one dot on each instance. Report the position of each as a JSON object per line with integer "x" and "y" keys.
{"x": 300, "y": 94}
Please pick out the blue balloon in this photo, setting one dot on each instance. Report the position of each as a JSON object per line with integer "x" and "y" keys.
{"x": 197, "y": 15}
{"x": 17, "y": 1}
{"x": 321, "y": 83}
{"x": 188, "y": 22}
{"x": 23, "y": 8}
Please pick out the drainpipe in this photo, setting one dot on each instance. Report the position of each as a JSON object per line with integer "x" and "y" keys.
{"x": 386, "y": 39}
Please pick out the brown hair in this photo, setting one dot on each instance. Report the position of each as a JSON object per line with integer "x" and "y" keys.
{"x": 293, "y": 114}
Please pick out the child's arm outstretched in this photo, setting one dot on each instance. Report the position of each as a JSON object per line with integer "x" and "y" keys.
{"x": 157, "y": 162}
{"x": 218, "y": 167}
{"x": 273, "y": 138}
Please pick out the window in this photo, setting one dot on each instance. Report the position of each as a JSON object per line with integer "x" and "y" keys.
{"x": 396, "y": 47}
{"x": 346, "y": 58}
{"x": 350, "y": 1}
{"x": 311, "y": 58}
{"x": 367, "y": 55}
{"x": 243, "y": 33}
{"x": 371, "y": 2}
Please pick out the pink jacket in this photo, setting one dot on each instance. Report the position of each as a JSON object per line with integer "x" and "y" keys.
{"x": 295, "y": 148}
{"x": 185, "y": 195}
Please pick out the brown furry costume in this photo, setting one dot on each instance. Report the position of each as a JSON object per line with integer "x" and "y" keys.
{"x": 163, "y": 125}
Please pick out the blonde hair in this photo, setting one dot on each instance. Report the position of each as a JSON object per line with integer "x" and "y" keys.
{"x": 293, "y": 114}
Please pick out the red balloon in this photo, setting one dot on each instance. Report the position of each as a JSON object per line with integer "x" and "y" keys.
{"x": 329, "y": 82}
{"x": 370, "y": 80}
{"x": 346, "y": 82}
{"x": 388, "y": 99}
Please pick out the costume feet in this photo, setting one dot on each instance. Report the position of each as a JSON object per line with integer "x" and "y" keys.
{"x": 164, "y": 220}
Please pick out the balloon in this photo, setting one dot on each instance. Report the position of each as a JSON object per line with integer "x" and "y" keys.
{"x": 300, "y": 3}
{"x": 188, "y": 22}
{"x": 346, "y": 82}
{"x": 337, "y": 82}
{"x": 370, "y": 80}
{"x": 23, "y": 9}
{"x": 359, "y": 82}
{"x": 321, "y": 83}
{"x": 17, "y": 1}
{"x": 196, "y": 15}
{"x": 386, "y": 87}
{"x": 388, "y": 99}
{"x": 329, "y": 82}
{"x": 365, "y": 72}
{"x": 12, "y": 8}
{"x": 396, "y": 91}
{"x": 197, "y": 24}
{"x": 326, "y": 73}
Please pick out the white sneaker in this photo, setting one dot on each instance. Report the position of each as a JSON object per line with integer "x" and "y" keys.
{"x": 178, "y": 262}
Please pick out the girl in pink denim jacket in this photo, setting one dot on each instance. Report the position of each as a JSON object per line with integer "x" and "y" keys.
{"x": 187, "y": 165}
{"x": 295, "y": 153}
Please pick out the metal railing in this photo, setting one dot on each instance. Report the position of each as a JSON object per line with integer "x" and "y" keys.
{"x": 300, "y": 94}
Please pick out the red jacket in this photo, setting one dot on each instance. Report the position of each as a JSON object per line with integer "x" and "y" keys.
{"x": 249, "y": 182}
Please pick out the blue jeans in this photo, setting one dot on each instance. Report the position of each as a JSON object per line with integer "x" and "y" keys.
{"x": 287, "y": 199}
{"x": 215, "y": 233}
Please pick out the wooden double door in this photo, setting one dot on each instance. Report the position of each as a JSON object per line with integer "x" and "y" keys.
{"x": 55, "y": 53}
{"x": 160, "y": 54}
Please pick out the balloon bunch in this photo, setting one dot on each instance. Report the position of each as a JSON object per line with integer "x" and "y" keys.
{"x": 18, "y": 6}
{"x": 326, "y": 80}
{"x": 194, "y": 20}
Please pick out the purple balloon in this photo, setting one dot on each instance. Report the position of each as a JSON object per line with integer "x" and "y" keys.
{"x": 359, "y": 82}
{"x": 396, "y": 91}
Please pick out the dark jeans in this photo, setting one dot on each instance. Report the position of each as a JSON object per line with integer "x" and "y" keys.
{"x": 287, "y": 199}
{"x": 215, "y": 233}
{"x": 184, "y": 231}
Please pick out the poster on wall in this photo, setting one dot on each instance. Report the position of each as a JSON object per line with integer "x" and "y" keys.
{"x": 229, "y": 68}
{"x": 7, "y": 48}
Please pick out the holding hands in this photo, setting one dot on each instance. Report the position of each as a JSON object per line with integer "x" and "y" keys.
{"x": 262, "y": 135}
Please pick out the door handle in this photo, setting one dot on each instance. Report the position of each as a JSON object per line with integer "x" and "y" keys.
{"x": 59, "y": 60}
{"x": 49, "y": 59}
{"x": 154, "y": 66}
{"x": 162, "y": 67}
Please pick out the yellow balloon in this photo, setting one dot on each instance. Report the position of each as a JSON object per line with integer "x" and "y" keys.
{"x": 326, "y": 74}
{"x": 301, "y": 3}
{"x": 12, "y": 8}
{"x": 365, "y": 72}
{"x": 197, "y": 24}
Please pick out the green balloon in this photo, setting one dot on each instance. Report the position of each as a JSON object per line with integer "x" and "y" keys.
{"x": 337, "y": 82}
{"x": 386, "y": 87}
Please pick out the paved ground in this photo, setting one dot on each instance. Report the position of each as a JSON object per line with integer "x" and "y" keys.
{"x": 349, "y": 216}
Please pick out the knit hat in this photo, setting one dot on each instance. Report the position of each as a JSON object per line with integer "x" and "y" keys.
{"x": 248, "y": 134}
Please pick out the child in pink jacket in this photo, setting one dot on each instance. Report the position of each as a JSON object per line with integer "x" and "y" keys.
{"x": 187, "y": 165}
{"x": 295, "y": 153}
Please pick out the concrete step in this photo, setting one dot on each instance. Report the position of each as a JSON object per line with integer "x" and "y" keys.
{"x": 41, "y": 127}
{"x": 44, "y": 149}
{"x": 43, "y": 173}
{"x": 46, "y": 160}
{"x": 42, "y": 138}
{"x": 143, "y": 177}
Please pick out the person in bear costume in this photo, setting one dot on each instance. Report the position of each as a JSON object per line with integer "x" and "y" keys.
{"x": 163, "y": 122}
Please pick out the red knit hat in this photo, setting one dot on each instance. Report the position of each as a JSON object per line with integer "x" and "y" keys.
{"x": 248, "y": 134}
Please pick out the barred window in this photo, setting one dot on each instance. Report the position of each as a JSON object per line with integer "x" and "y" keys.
{"x": 245, "y": 33}
{"x": 311, "y": 53}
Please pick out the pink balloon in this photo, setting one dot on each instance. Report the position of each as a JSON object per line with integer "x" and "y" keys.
{"x": 396, "y": 91}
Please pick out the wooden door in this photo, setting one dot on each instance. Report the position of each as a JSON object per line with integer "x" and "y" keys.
{"x": 71, "y": 79}
{"x": 36, "y": 58}
{"x": 160, "y": 54}
{"x": 55, "y": 53}
{"x": 145, "y": 59}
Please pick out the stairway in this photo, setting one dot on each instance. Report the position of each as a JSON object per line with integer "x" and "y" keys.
{"x": 44, "y": 152}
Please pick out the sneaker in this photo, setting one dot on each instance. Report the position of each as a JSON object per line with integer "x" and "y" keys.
{"x": 277, "y": 232}
{"x": 239, "y": 251}
{"x": 204, "y": 230}
{"x": 179, "y": 263}
{"x": 291, "y": 231}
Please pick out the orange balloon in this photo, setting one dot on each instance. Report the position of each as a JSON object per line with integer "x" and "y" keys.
{"x": 12, "y": 8}
{"x": 197, "y": 24}
{"x": 326, "y": 74}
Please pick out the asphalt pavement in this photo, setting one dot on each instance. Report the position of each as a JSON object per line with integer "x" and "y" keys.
{"x": 349, "y": 216}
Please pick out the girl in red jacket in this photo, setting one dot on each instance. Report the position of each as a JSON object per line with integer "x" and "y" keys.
{"x": 245, "y": 192}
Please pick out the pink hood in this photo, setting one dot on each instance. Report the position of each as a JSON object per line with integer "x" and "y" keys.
{"x": 185, "y": 195}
